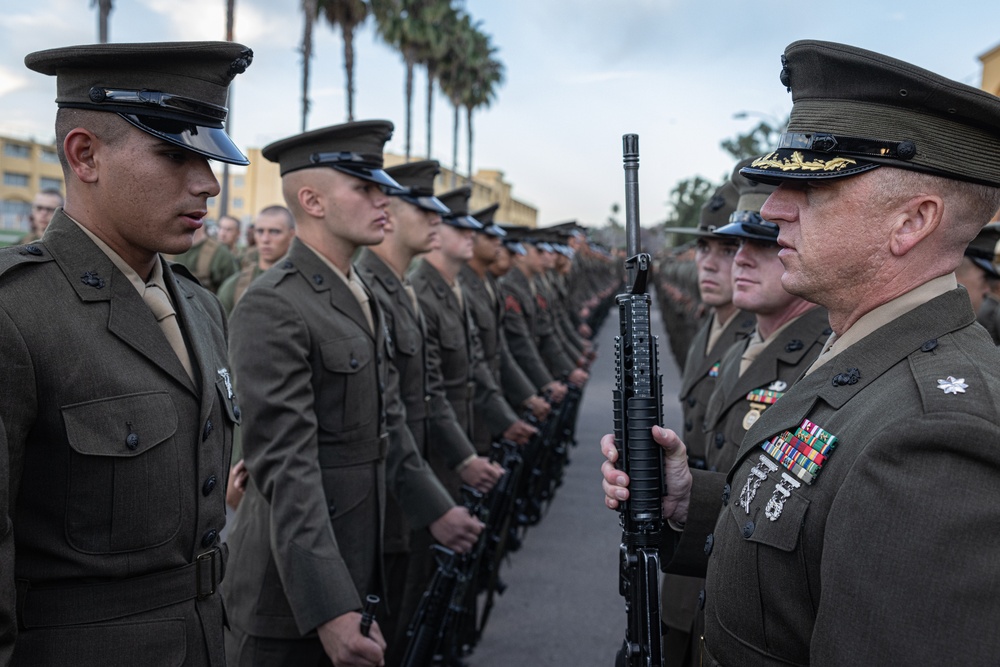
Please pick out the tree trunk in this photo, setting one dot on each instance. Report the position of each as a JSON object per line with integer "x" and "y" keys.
{"x": 430, "y": 108}
{"x": 103, "y": 15}
{"x": 409, "y": 102}
{"x": 349, "y": 67}
{"x": 309, "y": 8}
{"x": 454, "y": 149}
{"x": 468, "y": 130}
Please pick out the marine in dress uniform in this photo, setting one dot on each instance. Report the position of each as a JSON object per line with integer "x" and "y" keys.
{"x": 725, "y": 326}
{"x": 120, "y": 426}
{"x": 274, "y": 229}
{"x": 324, "y": 428}
{"x": 979, "y": 275}
{"x": 852, "y": 526}
{"x": 211, "y": 262}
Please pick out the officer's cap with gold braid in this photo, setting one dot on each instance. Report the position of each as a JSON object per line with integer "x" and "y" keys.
{"x": 175, "y": 91}
{"x": 418, "y": 179}
{"x": 352, "y": 148}
{"x": 746, "y": 221}
{"x": 854, "y": 110}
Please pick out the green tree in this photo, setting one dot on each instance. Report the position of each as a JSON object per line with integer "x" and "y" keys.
{"x": 456, "y": 75}
{"x": 686, "y": 200}
{"x": 348, "y": 14}
{"x": 432, "y": 54}
{"x": 404, "y": 25}
{"x": 486, "y": 74}
{"x": 761, "y": 139}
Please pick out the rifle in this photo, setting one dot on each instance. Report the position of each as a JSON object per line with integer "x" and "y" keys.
{"x": 427, "y": 629}
{"x": 637, "y": 408}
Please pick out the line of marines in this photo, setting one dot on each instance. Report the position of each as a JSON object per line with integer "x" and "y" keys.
{"x": 361, "y": 392}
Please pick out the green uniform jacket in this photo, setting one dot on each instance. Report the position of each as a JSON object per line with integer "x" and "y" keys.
{"x": 890, "y": 556}
{"x": 487, "y": 313}
{"x": 321, "y": 409}
{"x": 699, "y": 379}
{"x": 468, "y": 382}
{"x": 779, "y": 365}
{"x": 679, "y": 598}
{"x": 8, "y": 601}
{"x": 528, "y": 340}
{"x": 562, "y": 357}
{"x": 236, "y": 285}
{"x": 420, "y": 386}
{"x": 118, "y": 461}
{"x": 210, "y": 261}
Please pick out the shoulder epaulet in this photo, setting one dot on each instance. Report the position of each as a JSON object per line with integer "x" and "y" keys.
{"x": 183, "y": 271}
{"x": 33, "y": 253}
{"x": 948, "y": 378}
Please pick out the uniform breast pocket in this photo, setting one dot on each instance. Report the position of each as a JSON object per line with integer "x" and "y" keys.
{"x": 346, "y": 396}
{"x": 124, "y": 481}
{"x": 407, "y": 342}
{"x": 452, "y": 338}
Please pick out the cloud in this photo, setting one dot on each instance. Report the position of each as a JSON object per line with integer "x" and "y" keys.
{"x": 11, "y": 81}
{"x": 254, "y": 23}
{"x": 602, "y": 77}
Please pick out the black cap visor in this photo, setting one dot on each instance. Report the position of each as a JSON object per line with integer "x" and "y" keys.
{"x": 986, "y": 265}
{"x": 432, "y": 204}
{"x": 515, "y": 247}
{"x": 812, "y": 155}
{"x": 462, "y": 222}
{"x": 377, "y": 176}
{"x": 494, "y": 230}
{"x": 211, "y": 142}
{"x": 749, "y": 225}
{"x": 700, "y": 232}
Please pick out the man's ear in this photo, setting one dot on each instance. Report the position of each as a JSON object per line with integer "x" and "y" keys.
{"x": 915, "y": 220}
{"x": 311, "y": 201}
{"x": 80, "y": 147}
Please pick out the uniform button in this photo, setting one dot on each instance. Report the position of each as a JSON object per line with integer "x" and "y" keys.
{"x": 208, "y": 539}
{"x": 748, "y": 529}
{"x": 381, "y": 388}
{"x": 354, "y": 362}
{"x": 691, "y": 401}
{"x": 318, "y": 279}
{"x": 427, "y": 398}
{"x": 720, "y": 440}
{"x": 207, "y": 431}
{"x": 132, "y": 441}
{"x": 236, "y": 411}
{"x": 33, "y": 250}
{"x": 793, "y": 345}
{"x": 209, "y": 484}
{"x": 688, "y": 425}
{"x": 378, "y": 358}
{"x": 929, "y": 345}
{"x": 332, "y": 508}
{"x": 709, "y": 543}
{"x": 725, "y": 494}
{"x": 713, "y": 469}
{"x": 701, "y": 599}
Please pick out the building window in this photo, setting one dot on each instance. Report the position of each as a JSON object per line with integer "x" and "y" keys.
{"x": 15, "y": 215}
{"x": 237, "y": 181}
{"x": 50, "y": 156}
{"x": 17, "y": 150}
{"x": 237, "y": 202}
{"x": 14, "y": 179}
{"x": 45, "y": 183}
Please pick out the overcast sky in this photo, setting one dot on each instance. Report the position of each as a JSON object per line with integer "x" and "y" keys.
{"x": 579, "y": 74}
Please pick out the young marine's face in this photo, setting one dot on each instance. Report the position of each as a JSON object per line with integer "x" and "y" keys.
{"x": 714, "y": 260}
{"x": 456, "y": 243}
{"x": 153, "y": 195}
{"x": 418, "y": 229}
{"x": 229, "y": 232}
{"x": 757, "y": 279}
{"x": 273, "y": 236}
{"x": 356, "y": 211}
{"x": 485, "y": 248}
{"x": 42, "y": 208}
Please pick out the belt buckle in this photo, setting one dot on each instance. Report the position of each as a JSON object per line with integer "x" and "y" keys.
{"x": 209, "y": 558}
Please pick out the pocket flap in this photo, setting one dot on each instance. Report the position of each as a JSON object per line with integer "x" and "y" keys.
{"x": 781, "y": 533}
{"x": 346, "y": 355}
{"x": 121, "y": 426}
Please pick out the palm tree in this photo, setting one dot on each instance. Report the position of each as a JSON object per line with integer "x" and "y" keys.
{"x": 103, "y": 13}
{"x": 439, "y": 13}
{"x": 348, "y": 14}
{"x": 310, "y": 10}
{"x": 456, "y": 77}
{"x": 486, "y": 74}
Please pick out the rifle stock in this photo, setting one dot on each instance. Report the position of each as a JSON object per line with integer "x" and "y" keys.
{"x": 638, "y": 407}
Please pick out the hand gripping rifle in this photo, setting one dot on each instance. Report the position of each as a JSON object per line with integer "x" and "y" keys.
{"x": 638, "y": 407}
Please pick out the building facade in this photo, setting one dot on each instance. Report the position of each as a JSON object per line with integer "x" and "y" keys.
{"x": 26, "y": 167}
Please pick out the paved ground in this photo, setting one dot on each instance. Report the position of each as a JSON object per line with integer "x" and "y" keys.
{"x": 562, "y": 607}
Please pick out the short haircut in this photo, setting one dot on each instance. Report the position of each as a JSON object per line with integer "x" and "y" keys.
{"x": 52, "y": 192}
{"x": 279, "y": 210}
{"x": 109, "y": 128}
{"x": 239, "y": 225}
